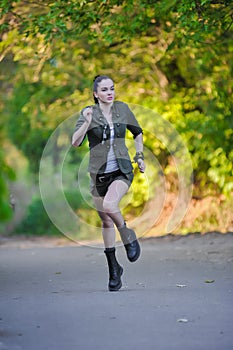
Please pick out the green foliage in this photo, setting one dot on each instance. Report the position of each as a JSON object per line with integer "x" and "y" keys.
{"x": 192, "y": 20}
{"x": 6, "y": 173}
{"x": 37, "y": 221}
{"x": 173, "y": 57}
{"x": 26, "y": 127}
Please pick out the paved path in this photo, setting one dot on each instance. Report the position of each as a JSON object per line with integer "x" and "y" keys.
{"x": 57, "y": 299}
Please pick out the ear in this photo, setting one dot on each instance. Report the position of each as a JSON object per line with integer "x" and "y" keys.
{"x": 95, "y": 94}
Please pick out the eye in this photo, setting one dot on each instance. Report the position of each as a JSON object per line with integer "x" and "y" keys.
{"x": 112, "y": 88}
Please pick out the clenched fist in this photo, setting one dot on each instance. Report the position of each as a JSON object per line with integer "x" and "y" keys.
{"x": 87, "y": 113}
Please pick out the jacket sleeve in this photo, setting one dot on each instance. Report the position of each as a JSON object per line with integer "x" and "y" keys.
{"x": 132, "y": 123}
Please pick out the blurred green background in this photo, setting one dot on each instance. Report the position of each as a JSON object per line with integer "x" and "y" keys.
{"x": 173, "y": 57}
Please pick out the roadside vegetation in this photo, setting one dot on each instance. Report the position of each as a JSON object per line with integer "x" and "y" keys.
{"x": 173, "y": 58}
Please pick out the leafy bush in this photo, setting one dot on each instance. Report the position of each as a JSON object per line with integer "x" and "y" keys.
{"x": 37, "y": 221}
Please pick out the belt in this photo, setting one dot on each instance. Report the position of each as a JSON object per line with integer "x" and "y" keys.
{"x": 105, "y": 177}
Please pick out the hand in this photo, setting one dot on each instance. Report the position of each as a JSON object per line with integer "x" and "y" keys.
{"x": 87, "y": 113}
{"x": 141, "y": 165}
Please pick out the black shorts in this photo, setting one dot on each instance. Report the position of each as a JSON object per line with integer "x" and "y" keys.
{"x": 101, "y": 182}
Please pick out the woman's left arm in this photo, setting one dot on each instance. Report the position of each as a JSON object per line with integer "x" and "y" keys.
{"x": 136, "y": 130}
{"x": 139, "y": 157}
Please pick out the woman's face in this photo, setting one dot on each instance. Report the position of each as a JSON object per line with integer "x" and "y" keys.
{"x": 105, "y": 91}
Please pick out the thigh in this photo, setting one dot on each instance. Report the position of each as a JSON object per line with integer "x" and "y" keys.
{"x": 116, "y": 191}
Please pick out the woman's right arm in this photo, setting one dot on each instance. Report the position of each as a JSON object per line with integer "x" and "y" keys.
{"x": 80, "y": 133}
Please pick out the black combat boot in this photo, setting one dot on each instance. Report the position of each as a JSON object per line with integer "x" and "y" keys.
{"x": 115, "y": 270}
{"x": 130, "y": 242}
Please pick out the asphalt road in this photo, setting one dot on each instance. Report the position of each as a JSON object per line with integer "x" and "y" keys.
{"x": 179, "y": 295}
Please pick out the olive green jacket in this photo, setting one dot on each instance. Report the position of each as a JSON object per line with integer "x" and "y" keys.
{"x": 98, "y": 134}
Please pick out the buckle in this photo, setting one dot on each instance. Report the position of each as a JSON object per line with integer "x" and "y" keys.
{"x": 101, "y": 178}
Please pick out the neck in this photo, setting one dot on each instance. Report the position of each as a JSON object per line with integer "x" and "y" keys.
{"x": 105, "y": 107}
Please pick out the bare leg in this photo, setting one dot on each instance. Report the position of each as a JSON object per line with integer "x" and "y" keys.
{"x": 109, "y": 212}
{"x": 116, "y": 191}
{"x": 108, "y": 230}
{"x": 111, "y": 201}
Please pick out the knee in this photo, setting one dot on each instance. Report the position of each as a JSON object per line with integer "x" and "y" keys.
{"x": 107, "y": 223}
{"x": 110, "y": 207}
